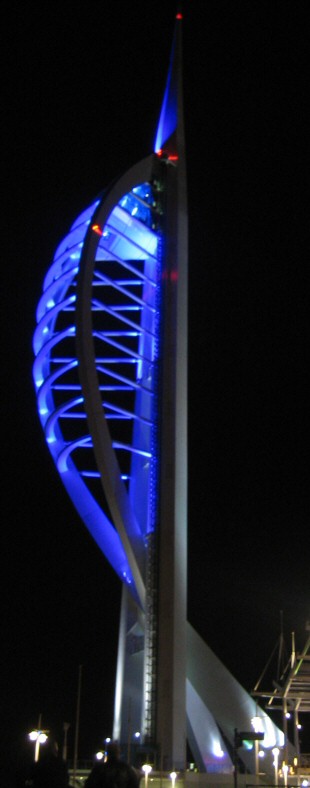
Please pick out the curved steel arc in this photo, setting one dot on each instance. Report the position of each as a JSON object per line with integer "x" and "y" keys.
{"x": 95, "y": 520}
{"x": 114, "y": 488}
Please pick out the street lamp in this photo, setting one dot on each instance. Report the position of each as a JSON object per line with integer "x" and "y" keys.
{"x": 276, "y": 753}
{"x": 39, "y": 737}
{"x": 146, "y": 768}
{"x": 66, "y": 726}
{"x": 257, "y": 725}
{"x": 173, "y": 777}
{"x": 285, "y": 772}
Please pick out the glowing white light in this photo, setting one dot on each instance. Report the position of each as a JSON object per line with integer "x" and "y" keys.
{"x": 39, "y": 737}
{"x": 99, "y": 755}
{"x": 146, "y": 768}
{"x": 257, "y": 724}
{"x": 217, "y": 750}
{"x": 272, "y": 736}
{"x": 285, "y": 772}
{"x": 276, "y": 753}
{"x": 173, "y": 776}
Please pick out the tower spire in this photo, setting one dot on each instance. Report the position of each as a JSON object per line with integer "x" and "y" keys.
{"x": 171, "y": 110}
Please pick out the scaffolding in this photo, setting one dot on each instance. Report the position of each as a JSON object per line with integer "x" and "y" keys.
{"x": 291, "y": 691}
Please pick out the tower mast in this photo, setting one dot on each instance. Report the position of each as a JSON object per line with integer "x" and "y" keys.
{"x": 172, "y": 531}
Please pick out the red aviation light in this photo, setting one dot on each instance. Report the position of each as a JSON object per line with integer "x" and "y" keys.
{"x": 169, "y": 157}
{"x": 97, "y": 229}
{"x": 170, "y": 276}
{"x": 179, "y": 16}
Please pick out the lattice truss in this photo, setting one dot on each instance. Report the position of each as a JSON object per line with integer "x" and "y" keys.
{"x": 125, "y": 329}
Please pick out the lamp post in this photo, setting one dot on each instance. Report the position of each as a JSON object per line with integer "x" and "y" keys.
{"x": 106, "y": 742}
{"x": 257, "y": 725}
{"x": 173, "y": 777}
{"x": 66, "y": 726}
{"x": 103, "y": 754}
{"x": 39, "y": 737}
{"x": 146, "y": 768}
{"x": 285, "y": 772}
{"x": 77, "y": 723}
{"x": 239, "y": 737}
{"x": 276, "y": 753}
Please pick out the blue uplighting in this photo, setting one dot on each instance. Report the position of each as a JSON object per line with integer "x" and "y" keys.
{"x": 169, "y": 112}
{"x": 124, "y": 306}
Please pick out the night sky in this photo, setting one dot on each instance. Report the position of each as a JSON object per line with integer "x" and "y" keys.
{"x": 84, "y": 85}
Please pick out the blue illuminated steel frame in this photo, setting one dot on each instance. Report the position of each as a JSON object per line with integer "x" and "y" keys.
{"x": 125, "y": 251}
{"x": 114, "y": 424}
{"x": 111, "y": 258}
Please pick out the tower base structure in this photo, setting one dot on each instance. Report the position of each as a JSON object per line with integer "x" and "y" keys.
{"x": 216, "y": 705}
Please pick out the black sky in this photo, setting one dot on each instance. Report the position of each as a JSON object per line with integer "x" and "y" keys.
{"x": 84, "y": 84}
